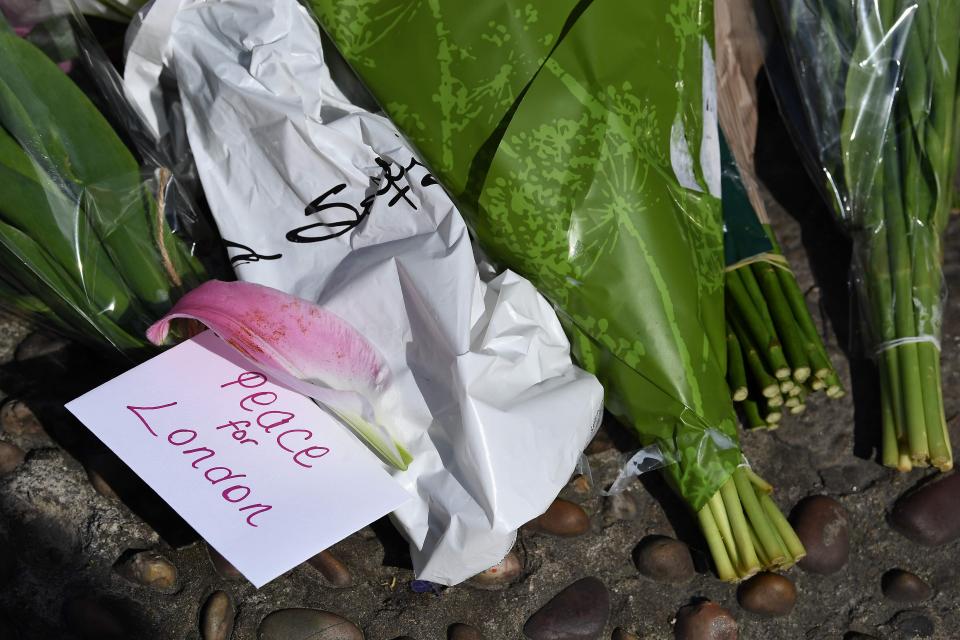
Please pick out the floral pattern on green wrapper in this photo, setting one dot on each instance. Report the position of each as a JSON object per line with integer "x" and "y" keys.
{"x": 582, "y": 199}
{"x": 461, "y": 78}
{"x": 574, "y": 185}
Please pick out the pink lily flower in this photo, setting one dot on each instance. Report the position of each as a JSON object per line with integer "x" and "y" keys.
{"x": 298, "y": 344}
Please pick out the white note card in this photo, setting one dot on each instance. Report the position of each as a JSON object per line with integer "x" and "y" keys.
{"x": 267, "y": 477}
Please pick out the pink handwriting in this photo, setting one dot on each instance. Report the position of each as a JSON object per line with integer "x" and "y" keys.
{"x": 181, "y": 437}
{"x": 270, "y": 420}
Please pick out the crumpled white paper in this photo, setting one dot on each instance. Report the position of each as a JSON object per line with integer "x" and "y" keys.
{"x": 326, "y": 201}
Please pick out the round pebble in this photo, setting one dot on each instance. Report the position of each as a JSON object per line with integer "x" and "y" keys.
{"x": 664, "y": 559}
{"x": 499, "y": 575}
{"x": 18, "y": 420}
{"x": 579, "y": 612}
{"x": 10, "y": 457}
{"x": 100, "y": 485}
{"x": 150, "y": 569}
{"x": 38, "y": 345}
{"x": 580, "y": 485}
{"x": 903, "y": 586}
{"x": 563, "y": 518}
{"x": 620, "y": 506}
{"x": 620, "y": 634}
{"x": 821, "y": 525}
{"x": 705, "y": 621}
{"x": 330, "y": 567}
{"x": 307, "y": 624}
{"x": 222, "y": 566}
{"x": 912, "y": 624}
{"x": 768, "y": 594}
{"x": 461, "y": 631}
{"x": 929, "y": 515}
{"x": 216, "y": 617}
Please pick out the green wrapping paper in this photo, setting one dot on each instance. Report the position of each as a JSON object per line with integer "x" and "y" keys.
{"x": 570, "y": 135}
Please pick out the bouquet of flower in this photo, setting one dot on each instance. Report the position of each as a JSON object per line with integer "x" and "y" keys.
{"x": 598, "y": 179}
{"x": 873, "y": 100}
{"x": 85, "y": 229}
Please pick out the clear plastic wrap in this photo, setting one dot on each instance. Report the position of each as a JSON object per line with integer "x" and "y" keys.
{"x": 92, "y": 239}
{"x": 596, "y": 177}
{"x": 871, "y": 94}
{"x": 775, "y": 355}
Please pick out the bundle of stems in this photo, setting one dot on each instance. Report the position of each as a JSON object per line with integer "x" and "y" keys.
{"x": 907, "y": 217}
{"x": 745, "y": 530}
{"x": 775, "y": 355}
{"x": 880, "y": 89}
{"x": 85, "y": 243}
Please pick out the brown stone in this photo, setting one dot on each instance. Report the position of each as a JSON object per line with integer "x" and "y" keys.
{"x": 580, "y": 485}
{"x": 222, "y": 566}
{"x": 19, "y": 422}
{"x": 307, "y": 624}
{"x": 334, "y": 571}
{"x": 461, "y": 631}
{"x": 705, "y": 621}
{"x": 621, "y": 634}
{"x": 10, "y": 457}
{"x": 149, "y": 569}
{"x": 768, "y": 594}
{"x": 821, "y": 524}
{"x": 930, "y": 515}
{"x": 664, "y": 559}
{"x": 100, "y": 485}
{"x": 499, "y": 575}
{"x": 579, "y": 612}
{"x": 620, "y": 506}
{"x": 40, "y": 344}
{"x": 903, "y": 586}
{"x": 217, "y": 617}
{"x": 563, "y": 518}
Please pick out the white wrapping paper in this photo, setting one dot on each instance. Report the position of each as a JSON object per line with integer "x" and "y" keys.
{"x": 484, "y": 394}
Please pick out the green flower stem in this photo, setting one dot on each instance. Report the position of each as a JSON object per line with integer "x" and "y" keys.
{"x": 890, "y": 452}
{"x": 745, "y": 530}
{"x": 765, "y": 382}
{"x": 749, "y": 563}
{"x": 756, "y": 295}
{"x": 757, "y": 481}
{"x": 758, "y": 519}
{"x": 721, "y": 560}
{"x": 786, "y": 326}
{"x": 754, "y": 324}
{"x": 765, "y": 559}
{"x": 791, "y": 541}
{"x": 904, "y": 321}
{"x": 719, "y": 513}
{"x": 736, "y": 373}
{"x": 943, "y": 423}
{"x": 937, "y": 439}
{"x": 751, "y": 411}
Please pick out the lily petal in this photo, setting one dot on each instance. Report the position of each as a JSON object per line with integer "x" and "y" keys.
{"x": 299, "y": 344}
